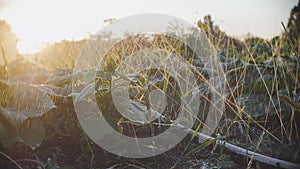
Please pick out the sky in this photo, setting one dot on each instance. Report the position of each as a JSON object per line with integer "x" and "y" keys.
{"x": 37, "y": 22}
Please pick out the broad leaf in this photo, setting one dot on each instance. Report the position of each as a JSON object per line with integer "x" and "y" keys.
{"x": 30, "y": 132}
{"x": 257, "y": 105}
{"x": 27, "y": 102}
{"x": 87, "y": 91}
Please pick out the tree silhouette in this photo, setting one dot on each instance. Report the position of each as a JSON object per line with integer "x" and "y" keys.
{"x": 218, "y": 38}
{"x": 294, "y": 26}
{"x": 8, "y": 44}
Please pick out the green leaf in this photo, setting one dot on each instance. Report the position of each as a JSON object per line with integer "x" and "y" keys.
{"x": 136, "y": 111}
{"x": 63, "y": 76}
{"x": 257, "y": 105}
{"x": 27, "y": 102}
{"x": 7, "y": 135}
{"x": 52, "y": 90}
{"x": 86, "y": 92}
{"x": 30, "y": 132}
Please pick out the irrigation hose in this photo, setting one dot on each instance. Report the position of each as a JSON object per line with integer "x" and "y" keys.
{"x": 231, "y": 147}
{"x": 244, "y": 152}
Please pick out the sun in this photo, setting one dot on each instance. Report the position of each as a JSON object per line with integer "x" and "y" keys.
{"x": 24, "y": 23}
{"x": 38, "y": 23}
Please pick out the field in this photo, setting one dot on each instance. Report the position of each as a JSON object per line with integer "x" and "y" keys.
{"x": 258, "y": 127}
